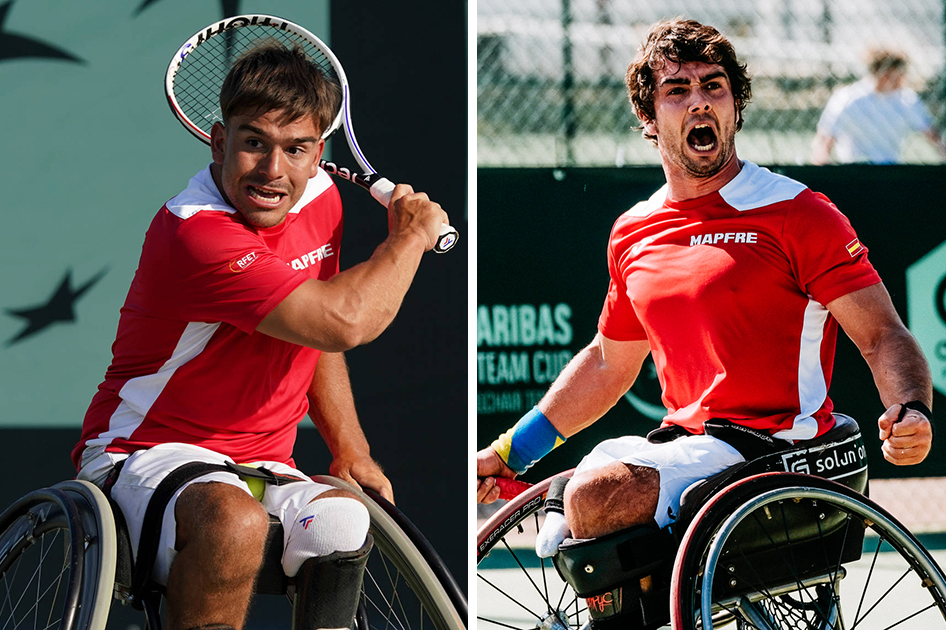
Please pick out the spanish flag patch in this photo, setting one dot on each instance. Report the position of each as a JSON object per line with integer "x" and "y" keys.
{"x": 854, "y": 248}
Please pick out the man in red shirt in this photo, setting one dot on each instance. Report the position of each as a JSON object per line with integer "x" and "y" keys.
{"x": 232, "y": 331}
{"x": 735, "y": 280}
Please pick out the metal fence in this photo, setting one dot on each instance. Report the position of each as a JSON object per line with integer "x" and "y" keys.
{"x": 550, "y": 89}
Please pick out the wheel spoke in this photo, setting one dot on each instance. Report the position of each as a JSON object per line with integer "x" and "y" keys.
{"x": 515, "y": 557}
{"x": 394, "y": 580}
{"x": 881, "y": 598}
{"x": 870, "y": 574}
{"x": 498, "y": 623}
{"x": 516, "y": 597}
{"x": 388, "y": 611}
{"x": 33, "y": 582}
{"x": 905, "y": 619}
{"x": 510, "y": 598}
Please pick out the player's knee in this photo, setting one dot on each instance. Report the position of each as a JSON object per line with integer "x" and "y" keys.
{"x": 335, "y": 523}
{"x": 586, "y": 501}
{"x": 224, "y": 517}
{"x": 610, "y": 498}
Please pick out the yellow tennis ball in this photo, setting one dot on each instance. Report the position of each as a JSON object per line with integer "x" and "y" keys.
{"x": 257, "y": 487}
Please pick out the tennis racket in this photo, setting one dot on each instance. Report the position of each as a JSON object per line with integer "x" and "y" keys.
{"x": 199, "y": 67}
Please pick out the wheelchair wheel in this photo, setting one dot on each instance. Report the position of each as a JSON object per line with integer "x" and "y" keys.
{"x": 57, "y": 559}
{"x": 784, "y": 550}
{"x": 516, "y": 588}
{"x": 406, "y": 585}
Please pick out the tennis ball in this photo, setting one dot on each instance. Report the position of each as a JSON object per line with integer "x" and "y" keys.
{"x": 257, "y": 487}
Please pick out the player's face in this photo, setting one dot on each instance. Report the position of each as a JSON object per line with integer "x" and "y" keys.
{"x": 262, "y": 164}
{"x": 696, "y": 116}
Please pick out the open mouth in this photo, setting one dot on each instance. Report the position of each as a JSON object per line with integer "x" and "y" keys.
{"x": 702, "y": 138}
{"x": 265, "y": 196}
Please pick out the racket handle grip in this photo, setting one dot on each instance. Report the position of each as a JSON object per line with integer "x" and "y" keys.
{"x": 511, "y": 488}
{"x": 382, "y": 189}
{"x": 447, "y": 239}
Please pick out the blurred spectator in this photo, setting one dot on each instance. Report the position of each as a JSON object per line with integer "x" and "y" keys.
{"x": 867, "y": 121}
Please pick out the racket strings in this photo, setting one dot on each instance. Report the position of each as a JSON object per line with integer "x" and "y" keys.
{"x": 200, "y": 76}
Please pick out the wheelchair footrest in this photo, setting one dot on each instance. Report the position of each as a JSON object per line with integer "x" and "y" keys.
{"x": 624, "y": 577}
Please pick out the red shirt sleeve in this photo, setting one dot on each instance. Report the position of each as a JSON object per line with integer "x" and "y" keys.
{"x": 213, "y": 268}
{"x": 827, "y": 258}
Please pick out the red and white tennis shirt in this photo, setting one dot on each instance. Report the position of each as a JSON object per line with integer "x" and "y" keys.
{"x": 187, "y": 365}
{"x": 730, "y": 290}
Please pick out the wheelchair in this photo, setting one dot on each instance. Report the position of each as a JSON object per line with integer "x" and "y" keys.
{"x": 65, "y": 556}
{"x": 789, "y": 540}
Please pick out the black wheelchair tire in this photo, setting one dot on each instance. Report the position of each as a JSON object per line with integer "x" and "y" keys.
{"x": 75, "y": 517}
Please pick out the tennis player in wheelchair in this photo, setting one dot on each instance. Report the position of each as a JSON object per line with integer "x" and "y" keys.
{"x": 735, "y": 280}
{"x": 233, "y": 330}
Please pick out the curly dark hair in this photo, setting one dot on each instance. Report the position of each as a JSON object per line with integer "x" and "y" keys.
{"x": 682, "y": 41}
{"x": 273, "y": 77}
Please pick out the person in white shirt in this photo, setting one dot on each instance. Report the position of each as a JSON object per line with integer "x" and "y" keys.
{"x": 867, "y": 121}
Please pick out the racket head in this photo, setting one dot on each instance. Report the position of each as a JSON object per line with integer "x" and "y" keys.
{"x": 198, "y": 68}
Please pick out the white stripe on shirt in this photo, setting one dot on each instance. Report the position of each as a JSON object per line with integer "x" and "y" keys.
{"x": 140, "y": 393}
{"x": 812, "y": 385}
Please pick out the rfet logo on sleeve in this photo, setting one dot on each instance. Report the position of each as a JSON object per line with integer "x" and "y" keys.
{"x": 240, "y": 264}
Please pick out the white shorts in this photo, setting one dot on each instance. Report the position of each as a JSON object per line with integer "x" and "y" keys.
{"x": 680, "y": 463}
{"x": 144, "y": 470}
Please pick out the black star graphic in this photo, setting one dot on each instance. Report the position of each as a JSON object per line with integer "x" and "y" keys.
{"x": 59, "y": 307}
{"x": 230, "y": 7}
{"x": 18, "y": 46}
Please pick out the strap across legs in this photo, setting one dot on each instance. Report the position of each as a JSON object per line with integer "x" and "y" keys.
{"x": 154, "y": 513}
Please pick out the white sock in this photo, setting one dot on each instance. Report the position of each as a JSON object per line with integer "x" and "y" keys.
{"x": 322, "y": 527}
{"x": 553, "y": 532}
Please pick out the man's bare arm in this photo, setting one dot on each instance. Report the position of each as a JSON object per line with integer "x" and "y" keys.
{"x": 332, "y": 410}
{"x": 900, "y": 370}
{"x": 592, "y": 382}
{"x": 356, "y": 305}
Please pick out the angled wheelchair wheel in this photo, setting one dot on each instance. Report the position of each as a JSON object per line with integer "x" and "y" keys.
{"x": 57, "y": 559}
{"x": 516, "y": 588}
{"x": 783, "y": 550}
{"x": 406, "y": 584}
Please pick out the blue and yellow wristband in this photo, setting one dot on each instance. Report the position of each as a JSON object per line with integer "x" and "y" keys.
{"x": 531, "y": 439}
